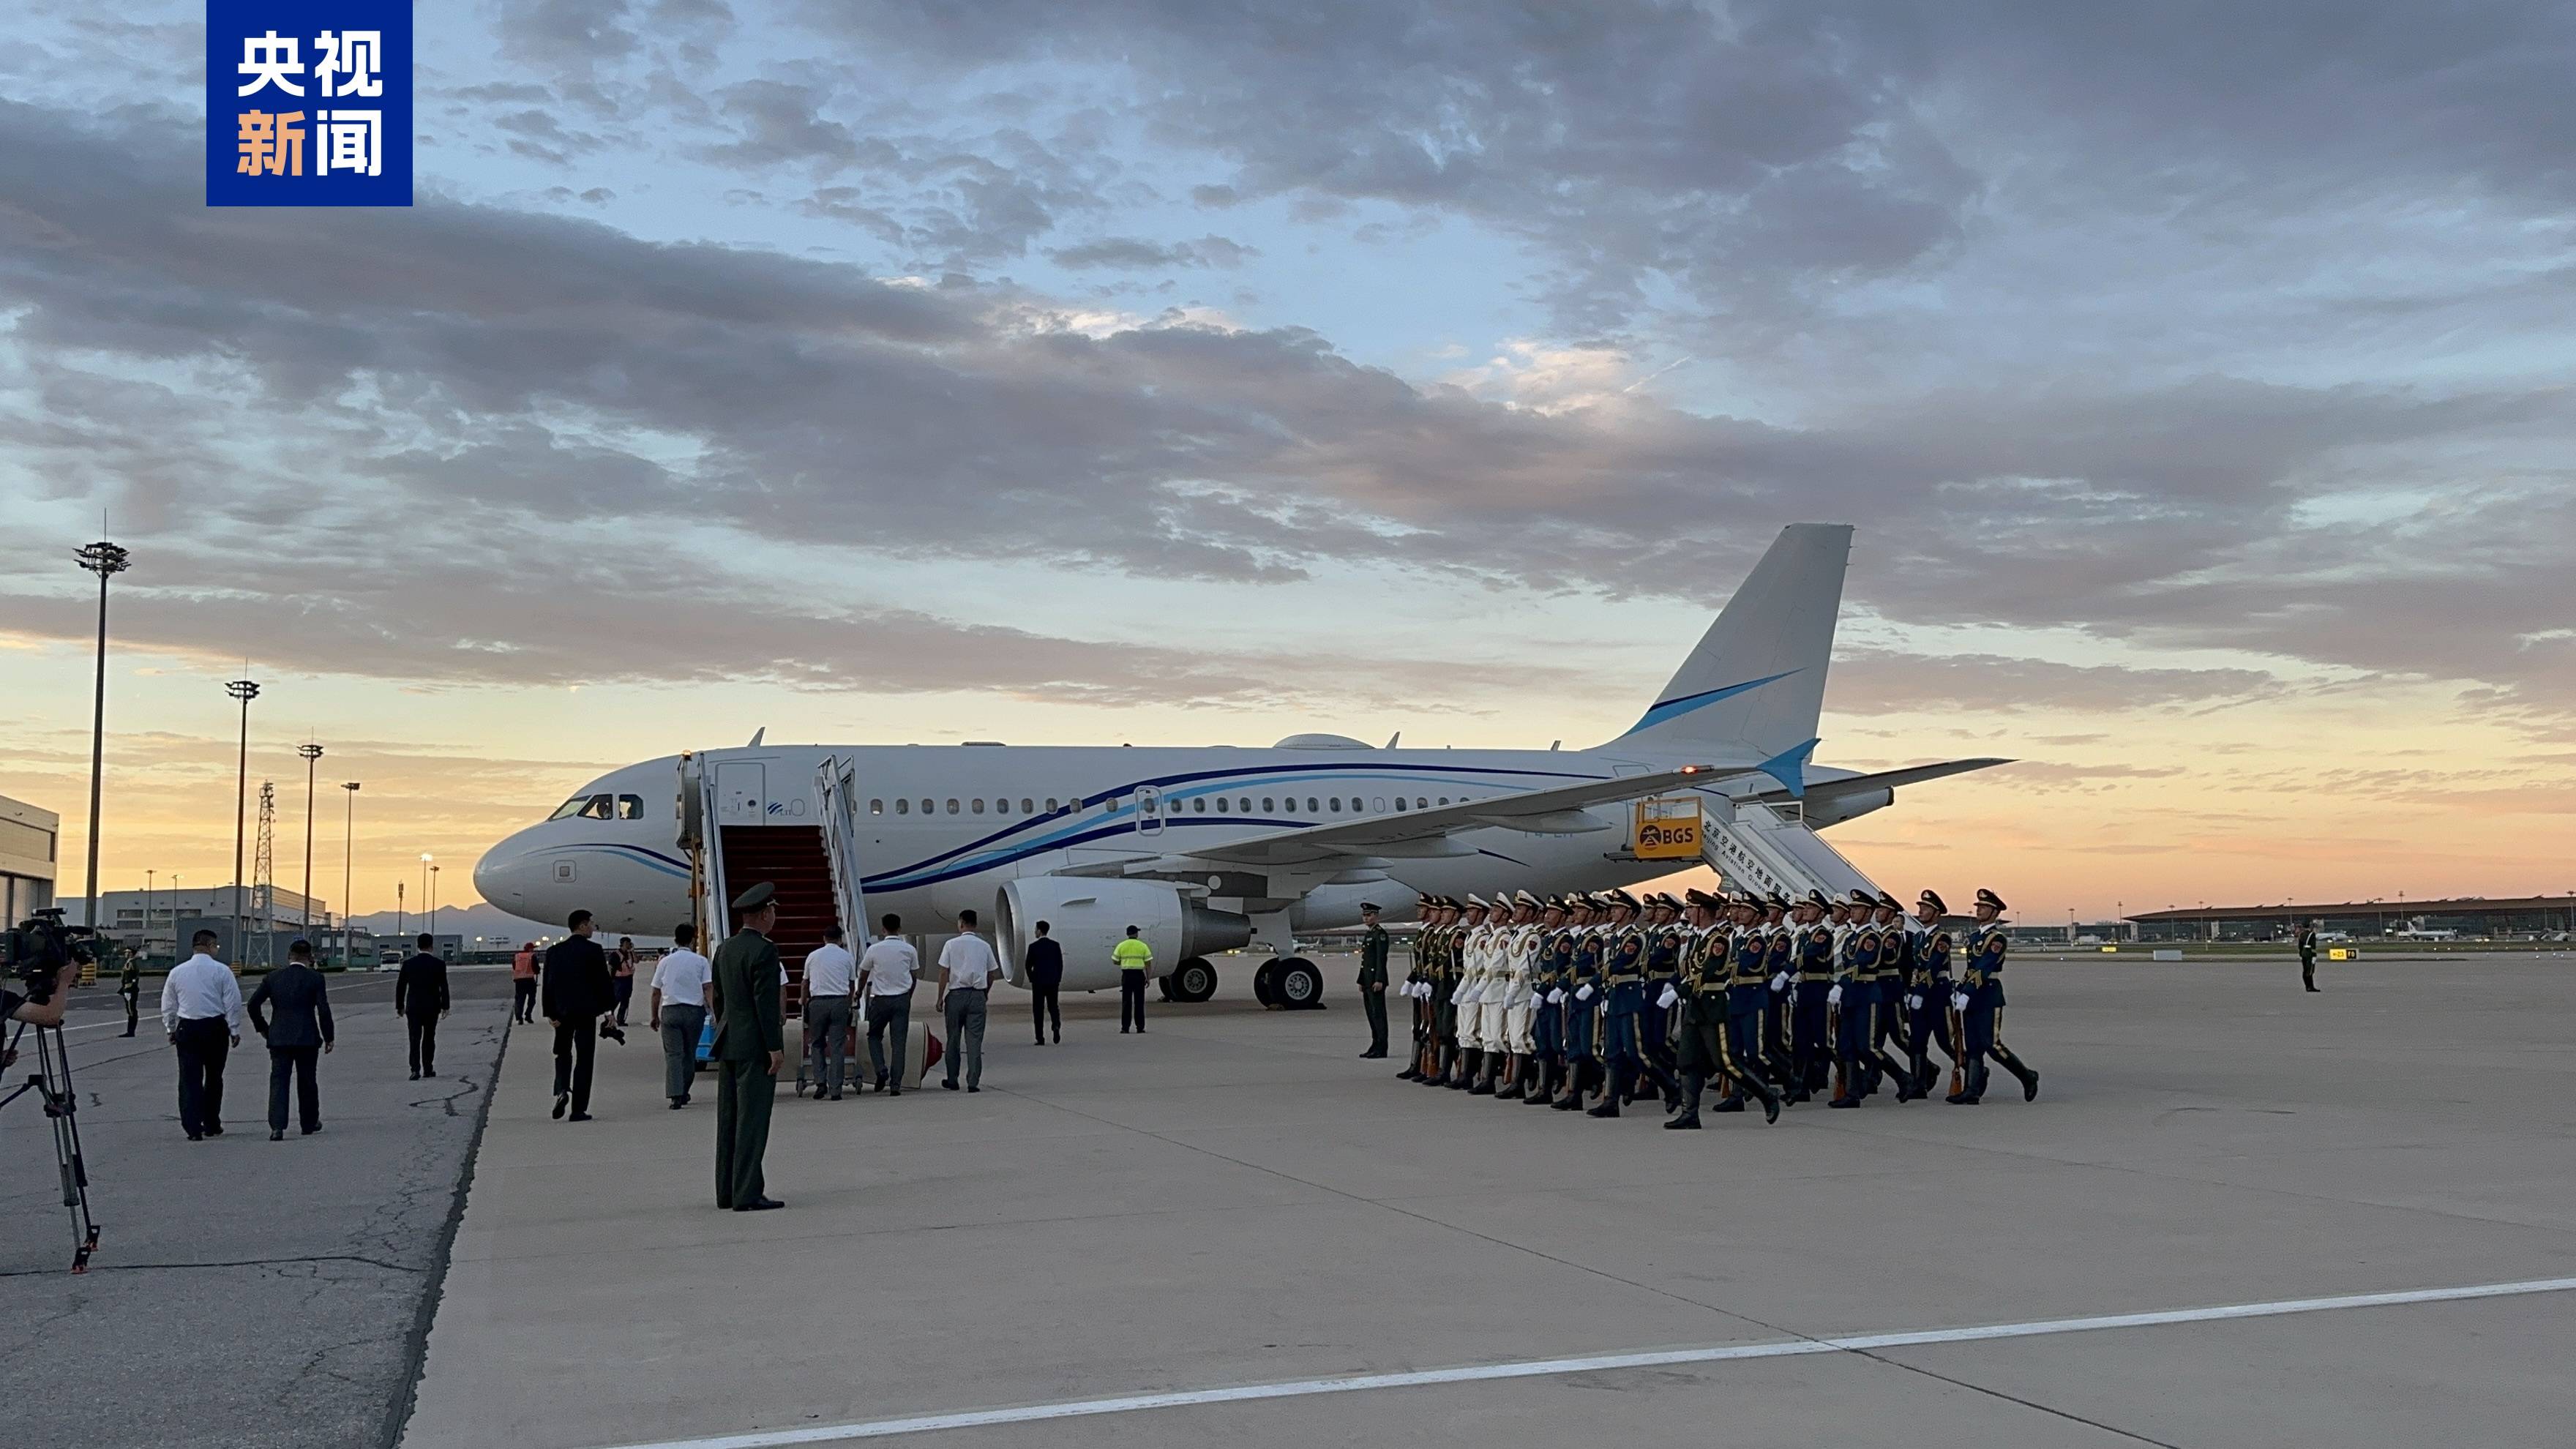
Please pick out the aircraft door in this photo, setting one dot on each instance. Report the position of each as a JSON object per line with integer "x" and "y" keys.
{"x": 742, "y": 792}
{"x": 836, "y": 788}
{"x": 1149, "y": 810}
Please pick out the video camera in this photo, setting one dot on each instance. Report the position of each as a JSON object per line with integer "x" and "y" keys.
{"x": 37, "y": 950}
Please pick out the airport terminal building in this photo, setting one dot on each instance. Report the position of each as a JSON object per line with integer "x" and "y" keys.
{"x": 2469, "y": 917}
{"x": 30, "y": 838}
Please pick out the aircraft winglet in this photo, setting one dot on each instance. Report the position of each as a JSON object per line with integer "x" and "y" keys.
{"x": 1789, "y": 767}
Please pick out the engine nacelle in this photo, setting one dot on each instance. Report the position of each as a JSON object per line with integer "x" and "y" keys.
{"x": 1835, "y": 809}
{"x": 1087, "y": 917}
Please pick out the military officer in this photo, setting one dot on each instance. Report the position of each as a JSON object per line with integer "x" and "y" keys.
{"x": 1811, "y": 1047}
{"x": 1701, "y": 971}
{"x": 751, "y": 1045}
{"x": 2307, "y": 942}
{"x": 1748, "y": 993}
{"x": 1980, "y": 1000}
{"x": 1857, "y": 1007}
{"x": 1583, "y": 1002}
{"x": 1374, "y": 944}
{"x": 1438, "y": 966}
{"x": 1551, "y": 966}
{"x": 1927, "y": 995}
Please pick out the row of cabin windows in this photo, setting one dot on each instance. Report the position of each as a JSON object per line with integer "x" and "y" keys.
{"x": 1196, "y": 805}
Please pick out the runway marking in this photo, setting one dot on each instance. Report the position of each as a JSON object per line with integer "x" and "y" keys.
{"x": 1546, "y": 1367}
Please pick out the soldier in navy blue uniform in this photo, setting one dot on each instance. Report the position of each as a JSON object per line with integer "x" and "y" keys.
{"x": 1665, "y": 934}
{"x": 1583, "y": 1006}
{"x": 1706, "y": 988}
{"x": 1927, "y": 995}
{"x": 1748, "y": 993}
{"x": 1623, "y": 1001}
{"x": 1550, "y": 976}
{"x": 1855, "y": 1001}
{"x": 1980, "y": 1000}
{"x": 1895, "y": 947}
{"x": 1780, "y": 953}
{"x": 1811, "y": 1043}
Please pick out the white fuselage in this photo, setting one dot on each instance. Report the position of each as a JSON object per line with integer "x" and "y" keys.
{"x": 942, "y": 827}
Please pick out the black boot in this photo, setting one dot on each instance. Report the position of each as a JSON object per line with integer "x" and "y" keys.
{"x": 1610, "y": 1100}
{"x": 1518, "y": 1086}
{"x": 1687, "y": 1119}
{"x": 1471, "y": 1065}
{"x": 1492, "y": 1068}
{"x": 1578, "y": 1078}
{"x": 2026, "y": 1074}
{"x": 1543, "y": 1094}
{"x": 1770, "y": 1102}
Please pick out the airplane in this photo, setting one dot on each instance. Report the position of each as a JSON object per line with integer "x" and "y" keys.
{"x": 1213, "y": 848}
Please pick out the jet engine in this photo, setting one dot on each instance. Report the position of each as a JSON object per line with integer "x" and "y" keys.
{"x": 1825, "y": 810}
{"x": 1087, "y": 917}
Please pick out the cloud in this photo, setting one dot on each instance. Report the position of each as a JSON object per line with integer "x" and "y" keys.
{"x": 508, "y": 367}
{"x": 1138, "y": 254}
{"x": 1868, "y": 682}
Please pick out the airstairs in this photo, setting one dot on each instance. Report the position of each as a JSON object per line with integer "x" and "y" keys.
{"x": 1762, "y": 848}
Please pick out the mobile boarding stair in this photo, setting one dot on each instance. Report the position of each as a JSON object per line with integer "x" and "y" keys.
{"x": 1762, "y": 847}
{"x": 739, "y": 825}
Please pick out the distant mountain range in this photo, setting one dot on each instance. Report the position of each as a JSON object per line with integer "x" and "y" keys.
{"x": 478, "y": 919}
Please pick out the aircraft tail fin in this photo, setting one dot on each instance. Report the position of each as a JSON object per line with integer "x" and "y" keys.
{"x": 1756, "y": 684}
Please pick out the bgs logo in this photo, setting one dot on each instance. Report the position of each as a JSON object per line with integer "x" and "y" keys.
{"x": 308, "y": 102}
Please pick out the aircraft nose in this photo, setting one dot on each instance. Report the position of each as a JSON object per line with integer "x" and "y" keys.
{"x": 501, "y": 876}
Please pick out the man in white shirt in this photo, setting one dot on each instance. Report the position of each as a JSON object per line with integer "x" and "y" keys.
{"x": 201, "y": 1009}
{"x": 886, "y": 973}
{"x": 966, "y": 971}
{"x": 831, "y": 985}
{"x": 680, "y": 1008}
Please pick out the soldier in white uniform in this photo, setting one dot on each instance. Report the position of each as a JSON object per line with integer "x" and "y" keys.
{"x": 1475, "y": 942}
{"x": 1519, "y": 948}
{"x": 1489, "y": 996}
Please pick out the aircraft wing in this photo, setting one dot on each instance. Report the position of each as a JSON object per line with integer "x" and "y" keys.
{"x": 1419, "y": 834}
{"x": 1818, "y": 790}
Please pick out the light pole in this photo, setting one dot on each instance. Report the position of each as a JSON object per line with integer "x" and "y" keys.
{"x": 143, "y": 948}
{"x": 348, "y": 867}
{"x": 105, "y": 560}
{"x": 245, "y": 691}
{"x": 424, "y": 885}
{"x": 398, "y": 910}
{"x": 310, "y": 753}
{"x": 433, "y": 903}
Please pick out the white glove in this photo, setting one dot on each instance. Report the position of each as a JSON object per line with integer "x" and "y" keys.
{"x": 1780, "y": 981}
{"x": 1958, "y": 1001}
{"x": 1583, "y": 993}
{"x": 1914, "y": 1001}
{"x": 1669, "y": 997}
{"x": 1556, "y": 997}
{"x": 1834, "y": 997}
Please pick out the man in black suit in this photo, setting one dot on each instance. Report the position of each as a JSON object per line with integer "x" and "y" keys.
{"x": 574, "y": 994}
{"x": 299, "y": 1034}
{"x": 420, "y": 999}
{"x": 1044, "y": 967}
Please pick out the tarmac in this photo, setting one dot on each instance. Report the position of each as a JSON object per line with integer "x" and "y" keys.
{"x": 248, "y": 1293}
{"x": 1219, "y": 1224}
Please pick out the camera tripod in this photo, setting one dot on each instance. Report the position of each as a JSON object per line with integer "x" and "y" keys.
{"x": 52, "y": 1084}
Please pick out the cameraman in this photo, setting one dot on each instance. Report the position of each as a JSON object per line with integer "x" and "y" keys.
{"x": 28, "y": 1009}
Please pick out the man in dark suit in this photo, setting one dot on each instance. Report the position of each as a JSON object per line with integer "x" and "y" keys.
{"x": 751, "y": 1045}
{"x": 299, "y": 1034}
{"x": 1044, "y": 967}
{"x": 420, "y": 999}
{"x": 574, "y": 995}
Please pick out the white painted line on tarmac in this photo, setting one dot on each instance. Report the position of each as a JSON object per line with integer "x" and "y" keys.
{"x": 1546, "y": 1367}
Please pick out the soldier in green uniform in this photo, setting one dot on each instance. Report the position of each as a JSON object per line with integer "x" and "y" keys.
{"x": 751, "y": 1045}
{"x": 1373, "y": 949}
{"x": 2307, "y": 966}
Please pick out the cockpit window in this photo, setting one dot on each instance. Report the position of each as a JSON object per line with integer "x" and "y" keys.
{"x": 630, "y": 807}
{"x": 595, "y": 808}
{"x": 569, "y": 808}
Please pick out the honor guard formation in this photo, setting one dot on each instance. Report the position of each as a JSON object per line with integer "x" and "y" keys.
{"x": 1590, "y": 1002}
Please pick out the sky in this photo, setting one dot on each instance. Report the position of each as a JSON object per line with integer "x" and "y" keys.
{"x": 2197, "y": 377}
